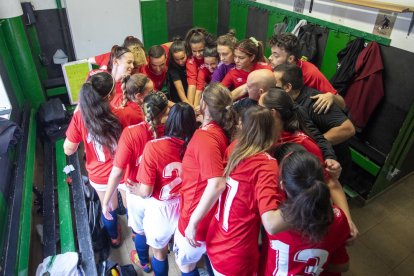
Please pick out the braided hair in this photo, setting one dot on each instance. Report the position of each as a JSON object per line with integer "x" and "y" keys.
{"x": 155, "y": 105}
{"x": 132, "y": 85}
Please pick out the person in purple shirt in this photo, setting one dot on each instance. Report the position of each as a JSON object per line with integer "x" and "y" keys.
{"x": 225, "y": 48}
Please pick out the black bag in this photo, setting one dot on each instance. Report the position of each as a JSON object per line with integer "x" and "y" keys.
{"x": 53, "y": 119}
{"x": 100, "y": 239}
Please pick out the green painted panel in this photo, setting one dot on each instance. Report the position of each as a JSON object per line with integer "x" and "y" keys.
{"x": 56, "y": 91}
{"x": 18, "y": 45}
{"x": 36, "y": 51}
{"x": 205, "y": 14}
{"x": 238, "y": 18}
{"x": 336, "y": 41}
{"x": 154, "y": 22}
{"x": 11, "y": 71}
{"x": 274, "y": 18}
{"x": 27, "y": 203}
{"x": 67, "y": 242}
{"x": 365, "y": 163}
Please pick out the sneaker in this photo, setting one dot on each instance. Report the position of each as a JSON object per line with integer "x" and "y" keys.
{"x": 133, "y": 256}
{"x": 115, "y": 243}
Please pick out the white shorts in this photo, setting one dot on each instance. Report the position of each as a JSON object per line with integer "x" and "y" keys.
{"x": 160, "y": 221}
{"x": 136, "y": 209}
{"x": 102, "y": 187}
{"x": 185, "y": 254}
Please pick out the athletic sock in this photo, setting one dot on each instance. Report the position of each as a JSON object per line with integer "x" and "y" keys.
{"x": 160, "y": 268}
{"x": 142, "y": 248}
{"x": 192, "y": 273}
{"x": 111, "y": 226}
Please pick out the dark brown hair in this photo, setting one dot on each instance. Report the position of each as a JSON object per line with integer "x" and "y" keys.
{"x": 308, "y": 208}
{"x": 251, "y": 47}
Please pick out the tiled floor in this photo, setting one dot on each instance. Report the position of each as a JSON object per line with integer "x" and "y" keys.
{"x": 385, "y": 245}
{"x": 386, "y": 225}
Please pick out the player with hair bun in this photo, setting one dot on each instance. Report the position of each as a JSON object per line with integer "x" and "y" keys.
{"x": 134, "y": 89}
{"x": 252, "y": 192}
{"x": 203, "y": 179}
{"x": 196, "y": 40}
{"x": 318, "y": 231}
{"x": 94, "y": 124}
{"x": 127, "y": 159}
{"x": 160, "y": 175}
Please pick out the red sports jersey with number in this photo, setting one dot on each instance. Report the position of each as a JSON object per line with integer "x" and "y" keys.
{"x": 98, "y": 159}
{"x": 161, "y": 167}
{"x": 203, "y": 78}
{"x": 203, "y": 160}
{"x": 232, "y": 239}
{"x": 237, "y": 77}
{"x": 192, "y": 66}
{"x": 130, "y": 114}
{"x": 288, "y": 253}
{"x": 130, "y": 148}
{"x": 314, "y": 78}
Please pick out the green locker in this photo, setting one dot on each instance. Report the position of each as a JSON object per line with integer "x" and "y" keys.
{"x": 154, "y": 22}
{"x": 205, "y": 14}
{"x": 336, "y": 41}
{"x": 274, "y": 18}
{"x": 238, "y": 18}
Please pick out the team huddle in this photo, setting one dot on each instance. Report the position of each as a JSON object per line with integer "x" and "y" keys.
{"x": 233, "y": 155}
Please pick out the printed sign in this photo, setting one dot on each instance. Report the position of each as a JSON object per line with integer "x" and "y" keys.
{"x": 75, "y": 74}
{"x": 384, "y": 23}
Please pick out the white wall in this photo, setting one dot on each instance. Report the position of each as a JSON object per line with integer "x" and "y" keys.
{"x": 96, "y": 25}
{"x": 357, "y": 17}
{"x": 42, "y": 4}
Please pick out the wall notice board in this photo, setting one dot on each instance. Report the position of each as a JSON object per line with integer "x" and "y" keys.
{"x": 75, "y": 74}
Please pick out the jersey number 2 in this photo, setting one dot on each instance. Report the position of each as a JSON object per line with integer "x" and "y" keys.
{"x": 168, "y": 173}
{"x": 319, "y": 256}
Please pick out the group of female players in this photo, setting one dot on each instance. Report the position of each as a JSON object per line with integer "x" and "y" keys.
{"x": 210, "y": 187}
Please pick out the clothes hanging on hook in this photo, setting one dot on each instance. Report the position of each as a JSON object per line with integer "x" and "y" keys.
{"x": 347, "y": 58}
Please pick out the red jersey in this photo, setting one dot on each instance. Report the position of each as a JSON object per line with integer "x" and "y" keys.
{"x": 103, "y": 60}
{"x": 130, "y": 148}
{"x": 161, "y": 167}
{"x": 203, "y": 160}
{"x": 158, "y": 80}
{"x": 237, "y": 77}
{"x": 203, "y": 78}
{"x": 118, "y": 95}
{"x": 98, "y": 159}
{"x": 288, "y": 253}
{"x": 192, "y": 66}
{"x": 232, "y": 239}
{"x": 314, "y": 78}
{"x": 301, "y": 138}
{"x": 130, "y": 114}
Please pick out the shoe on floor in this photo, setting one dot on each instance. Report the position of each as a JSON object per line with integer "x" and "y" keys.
{"x": 135, "y": 260}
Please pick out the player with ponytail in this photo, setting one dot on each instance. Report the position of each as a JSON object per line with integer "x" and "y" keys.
{"x": 134, "y": 89}
{"x": 203, "y": 179}
{"x": 99, "y": 129}
{"x": 160, "y": 178}
{"x": 127, "y": 161}
{"x": 317, "y": 230}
